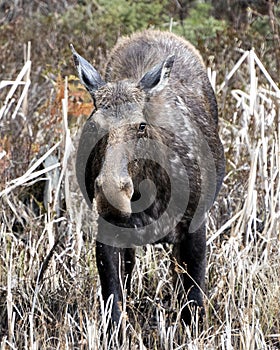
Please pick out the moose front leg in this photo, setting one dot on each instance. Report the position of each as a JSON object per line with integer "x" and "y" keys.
{"x": 190, "y": 254}
{"x": 109, "y": 264}
{"x": 129, "y": 262}
{"x": 114, "y": 265}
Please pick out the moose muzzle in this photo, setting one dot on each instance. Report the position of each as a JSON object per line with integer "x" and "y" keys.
{"x": 113, "y": 194}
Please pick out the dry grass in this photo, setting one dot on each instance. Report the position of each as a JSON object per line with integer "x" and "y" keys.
{"x": 50, "y": 295}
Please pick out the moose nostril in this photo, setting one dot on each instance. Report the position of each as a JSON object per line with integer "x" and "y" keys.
{"x": 98, "y": 183}
{"x": 126, "y": 185}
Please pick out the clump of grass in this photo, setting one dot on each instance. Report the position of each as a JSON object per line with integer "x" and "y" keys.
{"x": 50, "y": 296}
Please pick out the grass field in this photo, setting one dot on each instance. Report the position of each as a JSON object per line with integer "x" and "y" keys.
{"x": 50, "y": 295}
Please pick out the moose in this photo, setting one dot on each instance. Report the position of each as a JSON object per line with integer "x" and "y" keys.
{"x": 151, "y": 157}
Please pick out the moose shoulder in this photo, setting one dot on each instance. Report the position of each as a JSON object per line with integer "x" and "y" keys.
{"x": 151, "y": 157}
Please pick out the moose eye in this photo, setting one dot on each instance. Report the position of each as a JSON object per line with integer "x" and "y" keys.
{"x": 142, "y": 127}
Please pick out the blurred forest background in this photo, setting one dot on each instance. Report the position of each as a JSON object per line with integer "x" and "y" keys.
{"x": 49, "y": 287}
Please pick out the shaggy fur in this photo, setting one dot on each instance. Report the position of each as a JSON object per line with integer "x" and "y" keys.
{"x": 156, "y": 102}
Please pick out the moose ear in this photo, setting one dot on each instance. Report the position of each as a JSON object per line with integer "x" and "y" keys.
{"x": 157, "y": 78}
{"x": 87, "y": 73}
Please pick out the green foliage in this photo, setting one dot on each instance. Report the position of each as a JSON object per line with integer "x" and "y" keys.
{"x": 103, "y": 21}
{"x": 128, "y": 15}
{"x": 64, "y": 308}
{"x": 260, "y": 27}
{"x": 200, "y": 25}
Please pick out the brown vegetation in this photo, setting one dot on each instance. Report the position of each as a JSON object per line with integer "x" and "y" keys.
{"x": 49, "y": 290}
